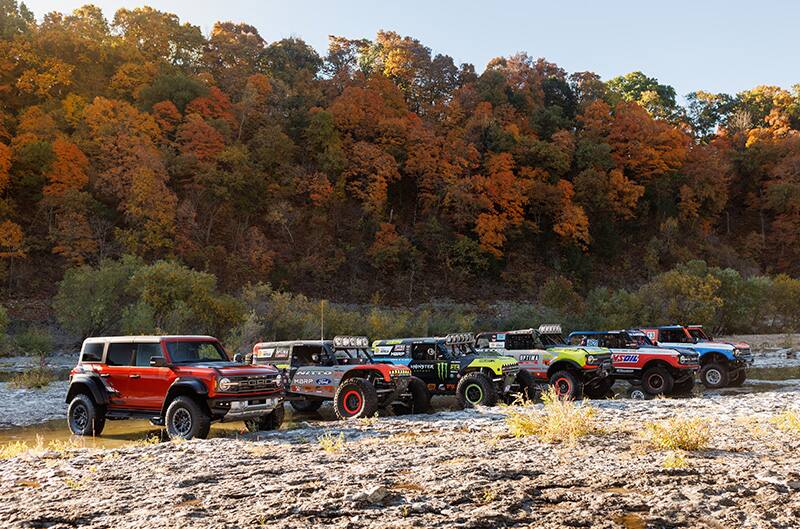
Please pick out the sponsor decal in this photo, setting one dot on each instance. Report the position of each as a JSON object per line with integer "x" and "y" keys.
{"x": 323, "y": 382}
{"x": 442, "y": 369}
{"x": 625, "y": 358}
{"x": 529, "y": 358}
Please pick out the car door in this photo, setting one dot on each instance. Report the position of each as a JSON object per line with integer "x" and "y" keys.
{"x": 117, "y": 371}
{"x": 148, "y": 386}
{"x": 423, "y": 363}
{"x": 522, "y": 346}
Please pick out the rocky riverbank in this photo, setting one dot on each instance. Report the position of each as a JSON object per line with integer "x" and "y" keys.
{"x": 458, "y": 469}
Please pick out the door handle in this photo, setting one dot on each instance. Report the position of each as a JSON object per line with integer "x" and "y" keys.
{"x": 104, "y": 375}
{"x": 136, "y": 376}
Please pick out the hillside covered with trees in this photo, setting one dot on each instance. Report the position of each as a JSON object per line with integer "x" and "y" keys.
{"x": 379, "y": 172}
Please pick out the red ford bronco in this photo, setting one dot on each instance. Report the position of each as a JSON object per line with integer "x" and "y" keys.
{"x": 183, "y": 382}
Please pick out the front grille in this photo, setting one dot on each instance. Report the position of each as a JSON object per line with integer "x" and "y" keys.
{"x": 395, "y": 373}
{"x": 509, "y": 369}
{"x": 248, "y": 384}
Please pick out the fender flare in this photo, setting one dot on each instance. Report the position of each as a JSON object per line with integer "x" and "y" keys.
{"x": 97, "y": 389}
{"x": 184, "y": 386}
{"x": 563, "y": 364}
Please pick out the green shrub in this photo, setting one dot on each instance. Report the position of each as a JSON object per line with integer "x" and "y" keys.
{"x": 32, "y": 379}
{"x": 90, "y": 300}
{"x": 35, "y": 341}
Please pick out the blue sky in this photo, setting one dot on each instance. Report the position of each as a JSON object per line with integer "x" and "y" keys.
{"x": 713, "y": 45}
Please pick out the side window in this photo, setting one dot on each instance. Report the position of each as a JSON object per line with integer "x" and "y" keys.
{"x": 120, "y": 354}
{"x": 146, "y": 351}
{"x": 519, "y": 342}
{"x": 576, "y": 339}
{"x": 425, "y": 352}
{"x": 92, "y": 352}
{"x": 306, "y": 355}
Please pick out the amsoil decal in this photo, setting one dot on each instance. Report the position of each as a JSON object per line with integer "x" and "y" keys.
{"x": 624, "y": 358}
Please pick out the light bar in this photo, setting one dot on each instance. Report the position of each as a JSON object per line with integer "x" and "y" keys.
{"x": 550, "y": 328}
{"x": 453, "y": 339}
{"x": 346, "y": 342}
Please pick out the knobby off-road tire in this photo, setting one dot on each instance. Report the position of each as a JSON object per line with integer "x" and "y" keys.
{"x": 475, "y": 389}
{"x": 567, "y": 385}
{"x": 657, "y": 381}
{"x": 306, "y": 405}
{"x": 714, "y": 375}
{"x": 599, "y": 389}
{"x": 526, "y": 387}
{"x": 84, "y": 417}
{"x": 355, "y": 398}
{"x": 738, "y": 379}
{"x": 420, "y": 399}
{"x": 186, "y": 419}
{"x": 265, "y": 423}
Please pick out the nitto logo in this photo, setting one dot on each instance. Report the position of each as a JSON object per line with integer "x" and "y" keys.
{"x": 624, "y": 358}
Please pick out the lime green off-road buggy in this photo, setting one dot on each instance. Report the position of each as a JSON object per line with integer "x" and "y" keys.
{"x": 573, "y": 371}
{"x": 450, "y": 365}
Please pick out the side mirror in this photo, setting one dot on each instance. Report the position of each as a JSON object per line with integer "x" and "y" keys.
{"x": 238, "y": 358}
{"x": 158, "y": 361}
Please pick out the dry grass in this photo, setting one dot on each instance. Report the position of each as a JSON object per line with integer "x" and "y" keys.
{"x": 678, "y": 434}
{"x": 675, "y": 460}
{"x": 18, "y": 448}
{"x": 563, "y": 421}
{"x": 331, "y": 443}
{"x": 788, "y": 421}
{"x": 33, "y": 379}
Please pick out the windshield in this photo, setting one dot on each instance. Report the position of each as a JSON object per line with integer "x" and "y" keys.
{"x": 351, "y": 356}
{"x": 460, "y": 349}
{"x": 549, "y": 340}
{"x": 191, "y": 351}
{"x": 641, "y": 339}
{"x": 698, "y": 334}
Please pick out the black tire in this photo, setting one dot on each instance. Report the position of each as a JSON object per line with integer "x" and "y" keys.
{"x": 683, "y": 387}
{"x": 657, "y": 381}
{"x": 738, "y": 379}
{"x": 714, "y": 375}
{"x": 355, "y": 398}
{"x": 268, "y": 422}
{"x": 306, "y": 405}
{"x": 599, "y": 389}
{"x": 186, "y": 419}
{"x": 84, "y": 417}
{"x": 420, "y": 399}
{"x": 567, "y": 385}
{"x": 475, "y": 389}
{"x": 526, "y": 387}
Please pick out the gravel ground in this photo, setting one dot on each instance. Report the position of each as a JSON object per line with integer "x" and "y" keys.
{"x": 456, "y": 469}
{"x": 22, "y": 407}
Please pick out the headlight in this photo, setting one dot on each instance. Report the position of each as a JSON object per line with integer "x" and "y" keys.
{"x": 225, "y": 384}
{"x": 590, "y": 359}
{"x": 737, "y": 352}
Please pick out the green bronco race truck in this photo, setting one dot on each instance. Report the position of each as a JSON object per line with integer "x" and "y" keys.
{"x": 450, "y": 365}
{"x": 573, "y": 371}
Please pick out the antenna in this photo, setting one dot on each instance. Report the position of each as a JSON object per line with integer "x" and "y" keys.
{"x": 322, "y": 319}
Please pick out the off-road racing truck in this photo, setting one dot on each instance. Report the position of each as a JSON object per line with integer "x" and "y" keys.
{"x": 342, "y": 370}
{"x": 656, "y": 370}
{"x": 572, "y": 371}
{"x": 450, "y": 365}
{"x": 183, "y": 382}
{"x": 721, "y": 364}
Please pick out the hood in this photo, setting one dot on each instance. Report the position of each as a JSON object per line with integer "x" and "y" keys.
{"x": 233, "y": 368}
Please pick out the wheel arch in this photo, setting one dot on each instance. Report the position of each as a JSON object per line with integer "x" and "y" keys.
{"x": 91, "y": 386}
{"x": 564, "y": 365}
{"x": 186, "y": 387}
{"x": 713, "y": 357}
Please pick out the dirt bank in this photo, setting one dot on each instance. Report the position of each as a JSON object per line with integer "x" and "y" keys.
{"x": 458, "y": 469}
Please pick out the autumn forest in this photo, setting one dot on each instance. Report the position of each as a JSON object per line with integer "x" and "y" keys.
{"x": 380, "y": 171}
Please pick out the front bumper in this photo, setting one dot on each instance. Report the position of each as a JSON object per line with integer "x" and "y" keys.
{"x": 238, "y": 409}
